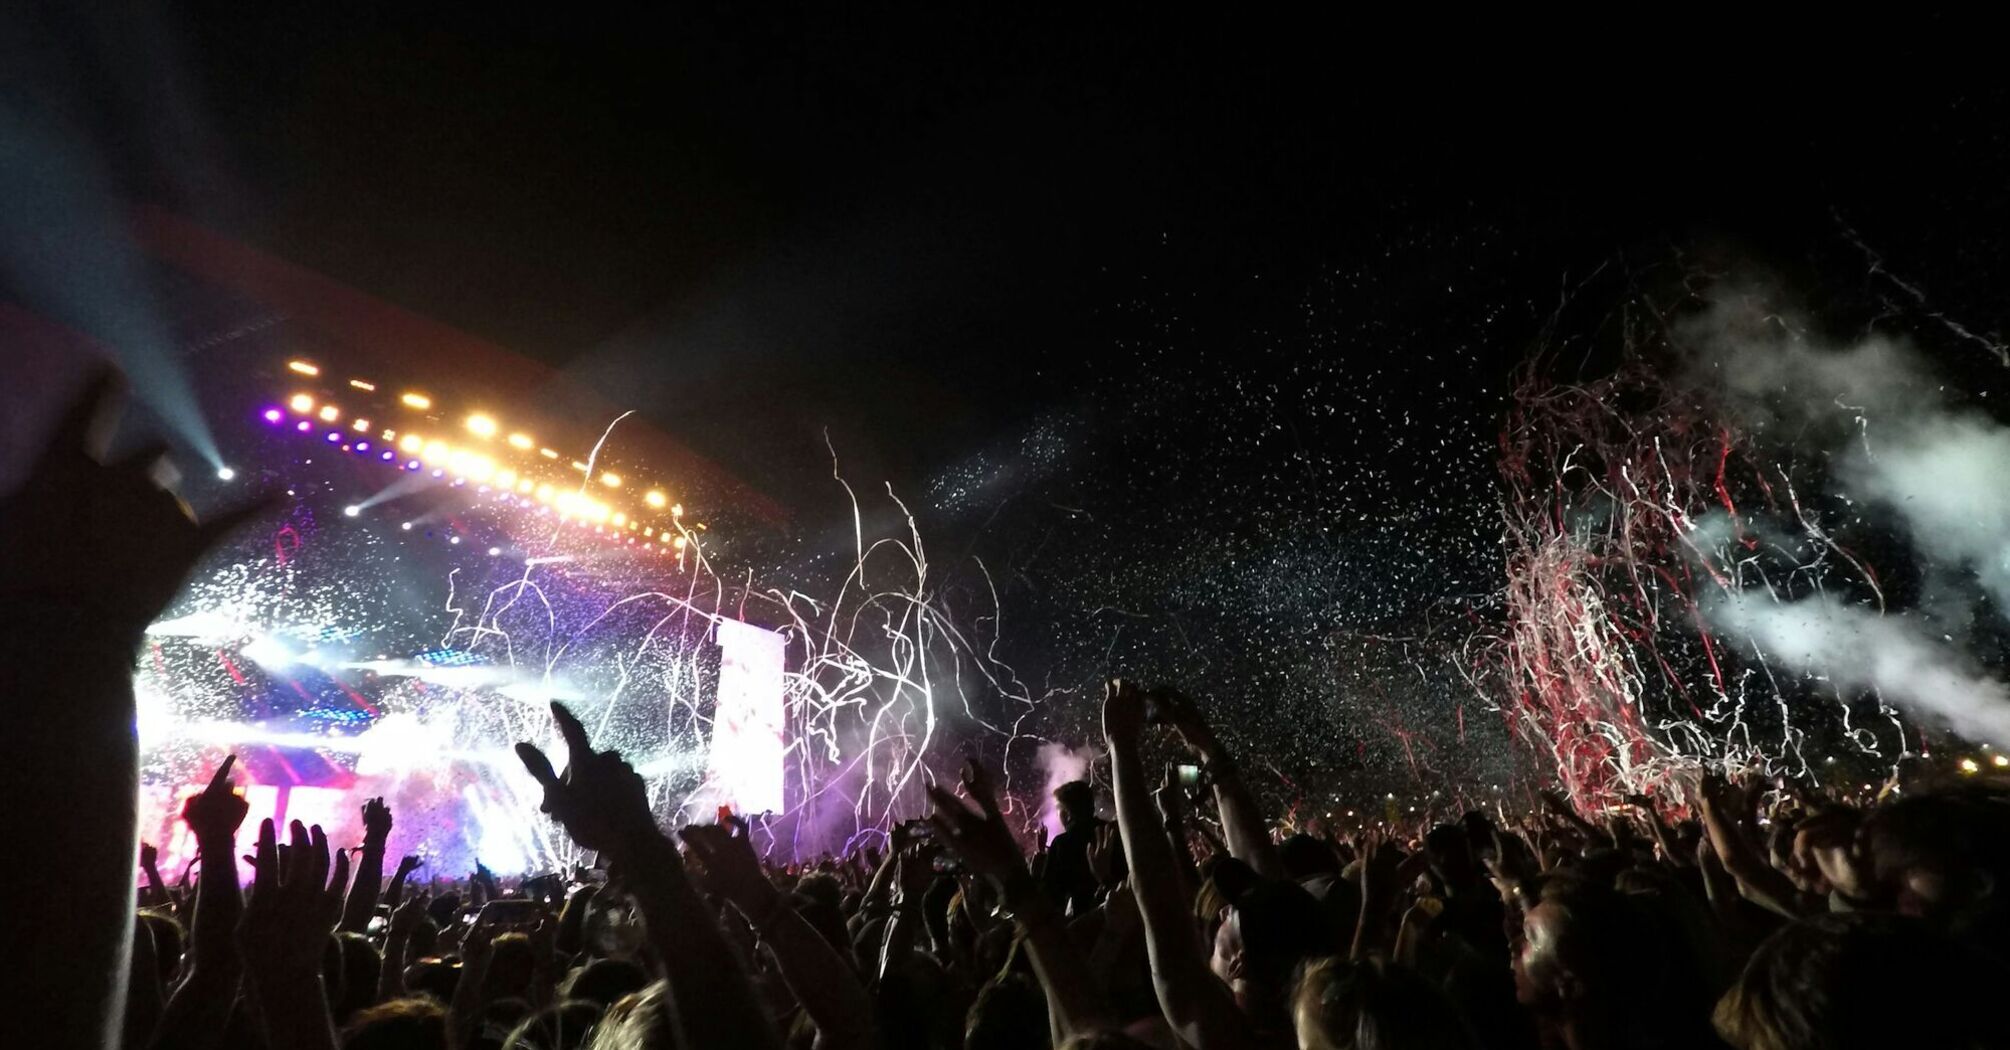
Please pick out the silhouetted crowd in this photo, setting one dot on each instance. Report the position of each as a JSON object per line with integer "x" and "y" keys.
{"x": 1750, "y": 915}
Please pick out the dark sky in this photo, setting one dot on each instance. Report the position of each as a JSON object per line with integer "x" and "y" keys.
{"x": 1194, "y": 329}
{"x": 910, "y": 227}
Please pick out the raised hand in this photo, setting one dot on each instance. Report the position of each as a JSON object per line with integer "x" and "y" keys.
{"x": 1170, "y": 797}
{"x": 338, "y": 878}
{"x": 480, "y": 938}
{"x": 155, "y": 894}
{"x": 362, "y": 904}
{"x": 1120, "y": 909}
{"x": 980, "y": 837}
{"x": 406, "y": 866}
{"x": 915, "y": 870}
{"x": 1512, "y": 864}
{"x": 215, "y": 814}
{"x": 1827, "y": 844}
{"x": 1180, "y": 712}
{"x": 899, "y": 838}
{"x": 74, "y": 501}
{"x": 1104, "y": 847}
{"x": 731, "y": 869}
{"x": 294, "y": 903}
{"x": 406, "y": 918}
{"x": 376, "y": 821}
{"x": 599, "y": 798}
{"x": 544, "y": 941}
{"x": 1378, "y": 866}
{"x": 1706, "y": 855}
{"x": 1123, "y": 711}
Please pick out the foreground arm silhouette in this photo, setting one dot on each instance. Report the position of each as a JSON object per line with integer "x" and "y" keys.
{"x": 90, "y": 552}
{"x": 1200, "y": 1008}
{"x": 602, "y": 804}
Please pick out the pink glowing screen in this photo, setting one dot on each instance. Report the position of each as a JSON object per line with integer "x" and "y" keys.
{"x": 745, "y": 769}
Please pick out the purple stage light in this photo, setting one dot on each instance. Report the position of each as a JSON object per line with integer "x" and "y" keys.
{"x": 303, "y": 426}
{"x": 439, "y": 473}
{"x": 334, "y": 436}
{"x": 389, "y": 455}
{"x": 272, "y": 415}
{"x": 412, "y": 464}
{"x": 362, "y": 446}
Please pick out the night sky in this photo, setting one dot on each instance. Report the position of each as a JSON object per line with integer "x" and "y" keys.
{"x": 913, "y": 228}
{"x": 1195, "y": 331}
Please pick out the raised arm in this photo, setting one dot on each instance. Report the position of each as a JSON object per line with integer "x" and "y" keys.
{"x": 1171, "y": 801}
{"x": 1664, "y": 837}
{"x": 1075, "y": 1005}
{"x": 155, "y": 895}
{"x": 1385, "y": 871}
{"x": 1242, "y": 823}
{"x": 572, "y": 919}
{"x": 76, "y": 593}
{"x": 880, "y": 889}
{"x": 293, "y": 908}
{"x": 1718, "y": 886}
{"x": 397, "y": 943}
{"x": 369, "y": 868}
{"x": 602, "y": 804}
{"x": 1561, "y": 809}
{"x": 1198, "y": 1005}
{"x": 200, "y": 1007}
{"x": 1758, "y": 881}
{"x": 823, "y": 981}
{"x": 914, "y": 872}
{"x": 472, "y": 989}
{"x": 406, "y": 866}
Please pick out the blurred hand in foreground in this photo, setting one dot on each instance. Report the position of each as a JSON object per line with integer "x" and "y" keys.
{"x": 599, "y": 798}
{"x": 110, "y": 540}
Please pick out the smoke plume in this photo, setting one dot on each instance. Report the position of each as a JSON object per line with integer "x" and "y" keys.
{"x": 1858, "y": 648}
{"x": 1901, "y": 446}
{"x": 1060, "y": 764}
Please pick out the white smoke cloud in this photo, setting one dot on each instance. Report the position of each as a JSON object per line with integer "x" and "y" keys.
{"x": 1900, "y": 446}
{"x": 1859, "y": 648}
{"x": 1948, "y": 480}
{"x": 1060, "y": 764}
{"x": 1769, "y": 370}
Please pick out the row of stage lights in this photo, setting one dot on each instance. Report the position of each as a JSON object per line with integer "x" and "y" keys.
{"x": 469, "y": 465}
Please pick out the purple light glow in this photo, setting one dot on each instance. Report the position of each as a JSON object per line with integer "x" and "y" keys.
{"x": 439, "y": 473}
{"x": 272, "y": 415}
{"x": 303, "y": 426}
{"x": 362, "y": 446}
{"x": 412, "y": 464}
{"x": 389, "y": 455}
{"x": 334, "y": 436}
